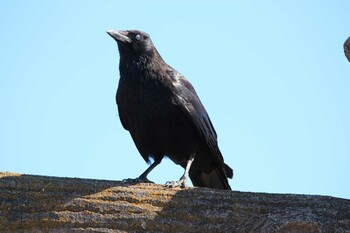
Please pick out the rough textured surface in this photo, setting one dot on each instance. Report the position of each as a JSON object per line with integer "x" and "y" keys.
{"x": 50, "y": 204}
{"x": 347, "y": 49}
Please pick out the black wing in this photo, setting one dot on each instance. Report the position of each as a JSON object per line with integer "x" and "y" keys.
{"x": 189, "y": 104}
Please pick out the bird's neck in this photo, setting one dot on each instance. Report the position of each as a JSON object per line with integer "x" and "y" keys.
{"x": 142, "y": 61}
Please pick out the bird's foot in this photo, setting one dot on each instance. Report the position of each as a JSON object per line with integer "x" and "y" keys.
{"x": 180, "y": 183}
{"x": 137, "y": 180}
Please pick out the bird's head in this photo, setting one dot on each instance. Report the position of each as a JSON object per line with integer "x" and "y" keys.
{"x": 132, "y": 41}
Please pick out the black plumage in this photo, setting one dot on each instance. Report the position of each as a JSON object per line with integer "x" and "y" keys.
{"x": 162, "y": 112}
{"x": 347, "y": 48}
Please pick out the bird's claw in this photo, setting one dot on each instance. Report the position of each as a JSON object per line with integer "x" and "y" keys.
{"x": 180, "y": 183}
{"x": 136, "y": 180}
{"x": 131, "y": 180}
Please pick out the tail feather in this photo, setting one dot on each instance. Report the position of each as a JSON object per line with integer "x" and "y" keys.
{"x": 214, "y": 179}
{"x": 228, "y": 170}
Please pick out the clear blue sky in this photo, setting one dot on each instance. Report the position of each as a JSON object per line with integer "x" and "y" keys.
{"x": 271, "y": 74}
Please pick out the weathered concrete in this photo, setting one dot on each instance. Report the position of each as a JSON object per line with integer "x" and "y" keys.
{"x": 51, "y": 204}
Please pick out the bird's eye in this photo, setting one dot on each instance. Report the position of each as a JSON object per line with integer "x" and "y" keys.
{"x": 138, "y": 37}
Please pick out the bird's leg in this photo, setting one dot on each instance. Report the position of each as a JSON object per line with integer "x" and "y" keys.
{"x": 182, "y": 182}
{"x": 143, "y": 177}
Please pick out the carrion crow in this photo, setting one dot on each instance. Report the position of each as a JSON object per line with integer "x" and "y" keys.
{"x": 164, "y": 115}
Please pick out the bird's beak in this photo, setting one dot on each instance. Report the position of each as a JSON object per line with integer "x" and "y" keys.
{"x": 119, "y": 36}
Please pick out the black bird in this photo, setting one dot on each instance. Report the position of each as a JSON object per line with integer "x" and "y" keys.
{"x": 347, "y": 48}
{"x": 164, "y": 115}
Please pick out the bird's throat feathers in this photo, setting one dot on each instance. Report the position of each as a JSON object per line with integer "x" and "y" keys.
{"x": 140, "y": 61}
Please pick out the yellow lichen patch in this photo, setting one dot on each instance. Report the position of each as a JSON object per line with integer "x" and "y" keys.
{"x": 7, "y": 174}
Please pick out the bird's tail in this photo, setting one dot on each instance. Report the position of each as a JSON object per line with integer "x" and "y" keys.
{"x": 228, "y": 170}
{"x": 214, "y": 179}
